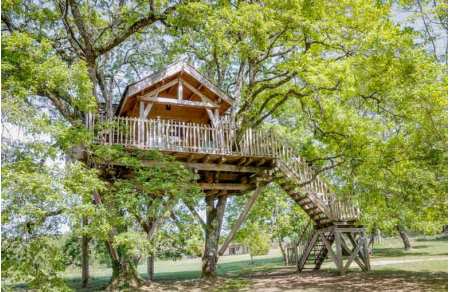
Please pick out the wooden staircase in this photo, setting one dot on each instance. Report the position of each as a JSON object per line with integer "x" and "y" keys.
{"x": 314, "y": 253}
{"x": 331, "y": 218}
{"x": 305, "y": 187}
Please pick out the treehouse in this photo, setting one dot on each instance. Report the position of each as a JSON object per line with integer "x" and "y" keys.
{"x": 180, "y": 113}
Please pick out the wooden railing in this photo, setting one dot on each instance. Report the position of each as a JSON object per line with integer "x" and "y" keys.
{"x": 180, "y": 136}
{"x": 170, "y": 135}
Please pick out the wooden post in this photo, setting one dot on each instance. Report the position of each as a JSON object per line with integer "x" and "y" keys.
{"x": 365, "y": 248}
{"x": 337, "y": 240}
{"x": 180, "y": 89}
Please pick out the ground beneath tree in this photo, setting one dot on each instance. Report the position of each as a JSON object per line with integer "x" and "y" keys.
{"x": 423, "y": 268}
{"x": 288, "y": 280}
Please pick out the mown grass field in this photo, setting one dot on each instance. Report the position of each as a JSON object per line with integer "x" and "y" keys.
{"x": 422, "y": 268}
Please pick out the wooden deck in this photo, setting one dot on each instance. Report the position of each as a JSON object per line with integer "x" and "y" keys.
{"x": 227, "y": 165}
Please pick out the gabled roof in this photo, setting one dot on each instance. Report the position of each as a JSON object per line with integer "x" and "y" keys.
{"x": 178, "y": 68}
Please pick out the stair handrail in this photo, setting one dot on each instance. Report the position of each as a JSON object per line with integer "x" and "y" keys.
{"x": 314, "y": 185}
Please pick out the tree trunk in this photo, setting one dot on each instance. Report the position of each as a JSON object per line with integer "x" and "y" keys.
{"x": 151, "y": 267}
{"x": 84, "y": 258}
{"x": 124, "y": 270}
{"x": 283, "y": 252}
{"x": 124, "y": 275}
{"x": 214, "y": 218}
{"x": 404, "y": 237}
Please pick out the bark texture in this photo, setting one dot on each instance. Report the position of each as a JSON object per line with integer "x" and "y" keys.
{"x": 404, "y": 237}
{"x": 151, "y": 267}
{"x": 283, "y": 252}
{"x": 84, "y": 261}
{"x": 124, "y": 276}
{"x": 214, "y": 218}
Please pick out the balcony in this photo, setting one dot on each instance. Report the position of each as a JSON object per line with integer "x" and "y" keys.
{"x": 178, "y": 136}
{"x": 217, "y": 149}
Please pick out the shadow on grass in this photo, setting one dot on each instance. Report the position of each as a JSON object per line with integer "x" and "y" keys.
{"x": 438, "y": 238}
{"x": 95, "y": 283}
{"x": 227, "y": 270}
{"x": 245, "y": 267}
{"x": 271, "y": 273}
{"x": 324, "y": 280}
{"x": 329, "y": 280}
{"x": 175, "y": 276}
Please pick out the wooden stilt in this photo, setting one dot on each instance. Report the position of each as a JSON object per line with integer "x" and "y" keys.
{"x": 339, "y": 261}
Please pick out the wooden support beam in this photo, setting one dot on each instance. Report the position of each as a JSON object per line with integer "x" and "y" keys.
{"x": 308, "y": 249}
{"x": 190, "y": 158}
{"x": 177, "y": 102}
{"x": 353, "y": 256}
{"x": 242, "y": 217}
{"x": 216, "y": 114}
{"x": 222, "y": 160}
{"x": 261, "y": 162}
{"x": 242, "y": 161}
{"x": 154, "y": 78}
{"x": 364, "y": 252}
{"x": 144, "y": 109}
{"x": 328, "y": 246}
{"x": 211, "y": 117}
{"x": 226, "y": 186}
{"x": 208, "y": 84}
{"x": 349, "y": 251}
{"x": 212, "y": 192}
{"x": 203, "y": 97}
{"x": 339, "y": 261}
{"x": 214, "y": 167}
{"x": 206, "y": 159}
{"x": 180, "y": 89}
{"x": 160, "y": 89}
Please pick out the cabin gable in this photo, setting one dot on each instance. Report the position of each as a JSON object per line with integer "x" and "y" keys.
{"x": 179, "y": 93}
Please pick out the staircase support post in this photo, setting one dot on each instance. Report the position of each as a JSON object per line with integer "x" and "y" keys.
{"x": 338, "y": 243}
{"x": 343, "y": 255}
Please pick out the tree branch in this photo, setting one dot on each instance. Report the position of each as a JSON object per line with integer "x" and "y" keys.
{"x": 135, "y": 27}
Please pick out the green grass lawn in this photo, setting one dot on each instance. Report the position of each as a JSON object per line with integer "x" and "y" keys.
{"x": 427, "y": 259}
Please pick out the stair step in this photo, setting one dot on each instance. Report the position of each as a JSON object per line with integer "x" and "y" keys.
{"x": 297, "y": 195}
{"x": 309, "y": 207}
{"x": 317, "y": 211}
{"x": 304, "y": 201}
{"x": 318, "y": 216}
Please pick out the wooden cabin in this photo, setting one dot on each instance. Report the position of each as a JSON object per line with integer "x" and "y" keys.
{"x": 179, "y": 112}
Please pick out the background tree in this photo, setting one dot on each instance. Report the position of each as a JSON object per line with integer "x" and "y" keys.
{"x": 255, "y": 238}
